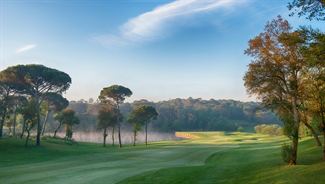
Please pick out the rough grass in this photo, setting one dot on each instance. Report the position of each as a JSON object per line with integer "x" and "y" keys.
{"x": 215, "y": 157}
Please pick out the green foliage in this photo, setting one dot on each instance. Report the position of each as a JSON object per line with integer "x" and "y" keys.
{"x": 314, "y": 9}
{"x": 288, "y": 122}
{"x": 273, "y": 129}
{"x": 106, "y": 119}
{"x": 66, "y": 117}
{"x": 115, "y": 92}
{"x": 286, "y": 152}
{"x": 143, "y": 114}
{"x": 36, "y": 80}
{"x": 184, "y": 115}
{"x": 240, "y": 129}
{"x": 55, "y": 101}
{"x": 140, "y": 116}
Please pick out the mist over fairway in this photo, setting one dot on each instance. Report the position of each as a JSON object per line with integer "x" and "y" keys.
{"x": 126, "y": 137}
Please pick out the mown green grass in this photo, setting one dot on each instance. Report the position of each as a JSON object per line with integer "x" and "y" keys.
{"x": 215, "y": 157}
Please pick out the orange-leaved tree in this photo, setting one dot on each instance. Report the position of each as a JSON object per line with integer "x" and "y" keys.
{"x": 274, "y": 74}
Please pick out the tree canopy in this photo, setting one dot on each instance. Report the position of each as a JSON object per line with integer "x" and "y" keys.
{"x": 143, "y": 115}
{"x": 314, "y": 9}
{"x": 116, "y": 93}
{"x": 36, "y": 80}
{"x": 55, "y": 102}
{"x": 66, "y": 117}
{"x": 275, "y": 73}
{"x": 106, "y": 119}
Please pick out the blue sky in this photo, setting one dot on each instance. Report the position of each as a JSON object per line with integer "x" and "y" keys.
{"x": 160, "y": 49}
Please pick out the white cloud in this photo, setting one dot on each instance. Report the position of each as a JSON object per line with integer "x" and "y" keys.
{"x": 25, "y": 48}
{"x": 152, "y": 25}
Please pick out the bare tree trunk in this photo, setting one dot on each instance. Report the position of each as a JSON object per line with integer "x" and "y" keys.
{"x": 3, "y": 120}
{"x": 146, "y": 135}
{"x": 318, "y": 143}
{"x": 323, "y": 127}
{"x": 134, "y": 137}
{"x": 113, "y": 135}
{"x": 295, "y": 136}
{"x": 105, "y": 135}
{"x": 45, "y": 120}
{"x": 324, "y": 143}
{"x": 118, "y": 125}
{"x": 38, "y": 136}
{"x": 56, "y": 130}
{"x": 14, "y": 124}
{"x": 4, "y": 113}
{"x": 23, "y": 131}
{"x": 119, "y": 137}
{"x": 293, "y": 157}
{"x": 28, "y": 134}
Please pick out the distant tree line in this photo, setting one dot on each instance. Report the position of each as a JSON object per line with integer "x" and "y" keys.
{"x": 183, "y": 115}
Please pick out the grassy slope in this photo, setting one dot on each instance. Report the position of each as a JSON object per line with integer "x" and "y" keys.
{"x": 214, "y": 158}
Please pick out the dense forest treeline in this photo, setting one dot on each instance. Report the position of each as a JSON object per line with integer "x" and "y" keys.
{"x": 183, "y": 115}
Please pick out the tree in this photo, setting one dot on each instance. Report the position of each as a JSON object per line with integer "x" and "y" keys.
{"x": 275, "y": 73}
{"x": 36, "y": 81}
{"x": 117, "y": 94}
{"x": 314, "y": 75}
{"x": 106, "y": 119}
{"x": 30, "y": 117}
{"x": 137, "y": 124}
{"x": 55, "y": 103}
{"x": 315, "y": 9}
{"x": 7, "y": 90}
{"x": 143, "y": 115}
{"x": 66, "y": 117}
{"x": 17, "y": 102}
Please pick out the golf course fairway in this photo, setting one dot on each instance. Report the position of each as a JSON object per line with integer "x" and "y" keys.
{"x": 212, "y": 157}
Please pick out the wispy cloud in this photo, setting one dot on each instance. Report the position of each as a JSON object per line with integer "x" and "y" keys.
{"x": 26, "y": 48}
{"x": 152, "y": 25}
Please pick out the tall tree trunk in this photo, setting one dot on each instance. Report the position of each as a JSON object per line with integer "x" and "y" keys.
{"x": 324, "y": 141}
{"x": 38, "y": 136}
{"x": 23, "y": 131}
{"x": 119, "y": 136}
{"x": 146, "y": 135}
{"x": 293, "y": 157}
{"x": 295, "y": 136}
{"x": 3, "y": 120}
{"x": 45, "y": 120}
{"x": 14, "y": 124}
{"x": 323, "y": 127}
{"x": 105, "y": 135}
{"x": 119, "y": 125}
{"x": 134, "y": 137}
{"x": 4, "y": 112}
{"x": 318, "y": 143}
{"x": 113, "y": 135}
{"x": 57, "y": 128}
{"x": 27, "y": 138}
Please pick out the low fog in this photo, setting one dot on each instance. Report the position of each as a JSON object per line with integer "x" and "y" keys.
{"x": 126, "y": 137}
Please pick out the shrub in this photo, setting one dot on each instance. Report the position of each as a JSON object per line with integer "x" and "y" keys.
{"x": 273, "y": 129}
{"x": 286, "y": 152}
{"x": 240, "y": 129}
